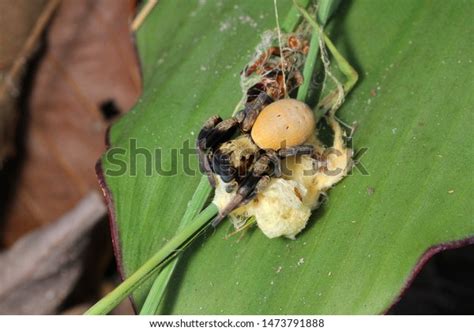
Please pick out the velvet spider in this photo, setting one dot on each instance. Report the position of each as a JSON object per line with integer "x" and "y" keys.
{"x": 245, "y": 163}
{"x": 242, "y": 155}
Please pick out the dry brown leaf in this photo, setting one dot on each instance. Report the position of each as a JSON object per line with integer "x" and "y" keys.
{"x": 89, "y": 61}
{"x": 41, "y": 269}
{"x": 18, "y": 19}
{"x": 22, "y": 22}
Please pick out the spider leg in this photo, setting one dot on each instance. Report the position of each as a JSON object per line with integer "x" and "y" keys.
{"x": 293, "y": 151}
{"x": 245, "y": 194}
{"x": 205, "y": 167}
{"x": 253, "y": 92}
{"x": 206, "y": 129}
{"x": 236, "y": 202}
{"x": 296, "y": 150}
{"x": 221, "y": 132}
{"x": 249, "y": 188}
{"x": 247, "y": 116}
{"x": 221, "y": 166}
{"x": 213, "y": 132}
{"x": 261, "y": 185}
{"x": 201, "y": 145}
{"x": 275, "y": 161}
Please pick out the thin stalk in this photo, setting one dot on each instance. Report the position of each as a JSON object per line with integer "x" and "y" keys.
{"x": 293, "y": 17}
{"x": 309, "y": 64}
{"x": 345, "y": 67}
{"x": 325, "y": 9}
{"x": 109, "y": 302}
{"x": 333, "y": 100}
{"x": 142, "y": 15}
{"x": 158, "y": 289}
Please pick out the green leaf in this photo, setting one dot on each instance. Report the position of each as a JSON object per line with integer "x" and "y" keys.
{"x": 413, "y": 106}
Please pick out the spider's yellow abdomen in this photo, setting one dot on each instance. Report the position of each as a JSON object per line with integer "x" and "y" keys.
{"x": 284, "y": 123}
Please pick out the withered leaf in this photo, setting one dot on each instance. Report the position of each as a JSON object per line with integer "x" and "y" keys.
{"x": 40, "y": 270}
{"x": 89, "y": 62}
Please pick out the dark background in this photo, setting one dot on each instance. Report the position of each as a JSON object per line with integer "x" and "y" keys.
{"x": 444, "y": 286}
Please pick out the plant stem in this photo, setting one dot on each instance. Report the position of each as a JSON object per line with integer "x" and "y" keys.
{"x": 308, "y": 69}
{"x": 333, "y": 99}
{"x": 293, "y": 17}
{"x": 325, "y": 9}
{"x": 142, "y": 15}
{"x": 109, "y": 302}
{"x": 157, "y": 291}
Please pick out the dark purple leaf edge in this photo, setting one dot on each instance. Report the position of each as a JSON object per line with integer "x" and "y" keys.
{"x": 425, "y": 257}
{"x": 113, "y": 226}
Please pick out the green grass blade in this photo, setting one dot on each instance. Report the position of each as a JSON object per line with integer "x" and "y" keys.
{"x": 325, "y": 10}
{"x": 309, "y": 65}
{"x": 293, "y": 18}
{"x": 110, "y": 301}
{"x": 158, "y": 289}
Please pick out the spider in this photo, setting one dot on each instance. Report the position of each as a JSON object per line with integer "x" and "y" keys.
{"x": 243, "y": 156}
{"x": 246, "y": 163}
